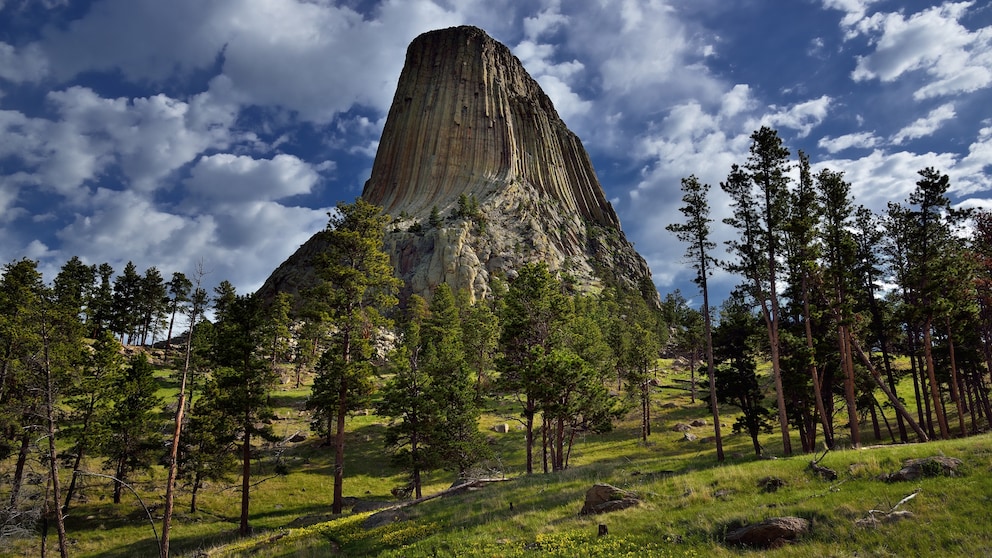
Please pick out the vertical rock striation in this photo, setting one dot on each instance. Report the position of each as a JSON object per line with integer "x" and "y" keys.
{"x": 481, "y": 176}
{"x": 467, "y": 118}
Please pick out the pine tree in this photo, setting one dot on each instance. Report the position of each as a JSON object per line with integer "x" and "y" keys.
{"x": 132, "y": 432}
{"x": 696, "y": 233}
{"x": 357, "y": 284}
{"x": 455, "y": 438}
{"x": 243, "y": 381}
{"x": 840, "y": 253}
{"x": 533, "y": 321}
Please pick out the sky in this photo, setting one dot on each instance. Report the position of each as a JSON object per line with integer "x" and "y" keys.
{"x": 217, "y": 135}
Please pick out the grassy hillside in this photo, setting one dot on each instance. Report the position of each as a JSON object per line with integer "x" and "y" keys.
{"x": 689, "y": 500}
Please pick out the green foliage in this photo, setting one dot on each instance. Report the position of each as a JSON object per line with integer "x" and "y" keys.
{"x": 131, "y": 437}
{"x": 356, "y": 285}
{"x": 434, "y": 220}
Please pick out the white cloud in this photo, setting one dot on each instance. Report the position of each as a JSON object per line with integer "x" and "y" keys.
{"x": 881, "y": 177}
{"x": 228, "y": 177}
{"x": 240, "y": 242}
{"x": 150, "y": 137}
{"x": 926, "y": 125}
{"x": 854, "y": 10}
{"x": 933, "y": 41}
{"x": 857, "y": 140}
{"x": 802, "y": 117}
{"x": 30, "y": 64}
{"x": 546, "y": 21}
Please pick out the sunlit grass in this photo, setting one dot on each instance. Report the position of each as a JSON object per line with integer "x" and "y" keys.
{"x": 689, "y": 500}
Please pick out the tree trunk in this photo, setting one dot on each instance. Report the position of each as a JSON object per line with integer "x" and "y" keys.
{"x": 711, "y": 372}
{"x": 53, "y": 462}
{"x": 692, "y": 375}
{"x": 529, "y": 412}
{"x": 170, "y": 483}
{"x": 771, "y": 321}
{"x": 119, "y": 480}
{"x": 955, "y": 396}
{"x": 900, "y": 408}
{"x": 828, "y": 435}
{"x": 876, "y": 429}
{"x": 849, "y": 386}
{"x": 22, "y": 458}
{"x": 938, "y": 407}
{"x": 193, "y": 492}
{"x": 544, "y": 442}
{"x": 244, "y": 530}
{"x": 338, "y": 504}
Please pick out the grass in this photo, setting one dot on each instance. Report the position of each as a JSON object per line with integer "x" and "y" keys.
{"x": 689, "y": 501}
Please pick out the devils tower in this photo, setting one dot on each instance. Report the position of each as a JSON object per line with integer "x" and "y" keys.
{"x": 481, "y": 175}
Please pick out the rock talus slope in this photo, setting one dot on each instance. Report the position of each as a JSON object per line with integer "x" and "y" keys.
{"x": 481, "y": 175}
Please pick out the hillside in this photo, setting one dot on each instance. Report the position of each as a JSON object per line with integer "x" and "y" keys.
{"x": 689, "y": 502}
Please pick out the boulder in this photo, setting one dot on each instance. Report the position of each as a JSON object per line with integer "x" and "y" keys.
{"x": 698, "y": 422}
{"x": 934, "y": 466}
{"x": 770, "y": 484}
{"x": 681, "y": 427}
{"x": 770, "y": 533}
{"x": 603, "y": 498}
{"x": 385, "y": 517}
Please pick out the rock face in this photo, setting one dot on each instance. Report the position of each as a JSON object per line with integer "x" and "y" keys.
{"x": 481, "y": 175}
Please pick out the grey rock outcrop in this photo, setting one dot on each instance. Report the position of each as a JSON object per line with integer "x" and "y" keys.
{"x": 605, "y": 498}
{"x": 481, "y": 176}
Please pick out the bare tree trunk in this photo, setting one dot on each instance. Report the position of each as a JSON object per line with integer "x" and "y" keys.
{"x": 711, "y": 371}
{"x": 244, "y": 530}
{"x": 22, "y": 458}
{"x": 938, "y": 407}
{"x": 170, "y": 483}
{"x": 849, "y": 394}
{"x": 828, "y": 434}
{"x": 955, "y": 396}
{"x": 900, "y": 408}
{"x": 53, "y": 463}
{"x": 529, "y": 434}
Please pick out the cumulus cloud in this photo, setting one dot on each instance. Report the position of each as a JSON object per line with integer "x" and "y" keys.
{"x": 802, "y": 117}
{"x": 26, "y": 64}
{"x": 934, "y": 42}
{"x": 881, "y": 176}
{"x": 860, "y": 140}
{"x": 925, "y": 126}
{"x": 228, "y": 177}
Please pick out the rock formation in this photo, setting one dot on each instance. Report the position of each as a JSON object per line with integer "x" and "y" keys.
{"x": 481, "y": 175}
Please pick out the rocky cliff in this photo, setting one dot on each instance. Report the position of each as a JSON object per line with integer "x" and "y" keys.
{"x": 481, "y": 175}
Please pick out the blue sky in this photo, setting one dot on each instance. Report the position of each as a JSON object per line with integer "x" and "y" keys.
{"x": 221, "y": 132}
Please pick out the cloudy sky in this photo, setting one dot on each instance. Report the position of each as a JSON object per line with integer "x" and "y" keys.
{"x": 222, "y": 131}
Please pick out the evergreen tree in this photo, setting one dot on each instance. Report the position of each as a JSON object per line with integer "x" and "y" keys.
{"x": 178, "y": 289}
{"x": 151, "y": 304}
{"x": 533, "y": 321}
{"x": 243, "y": 381}
{"x": 736, "y": 374}
{"x": 208, "y": 443}
{"x": 696, "y": 233}
{"x": 22, "y": 293}
{"x": 125, "y": 314}
{"x": 456, "y": 438}
{"x": 132, "y": 431}
{"x": 840, "y": 253}
{"x": 357, "y": 284}
{"x": 89, "y": 402}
